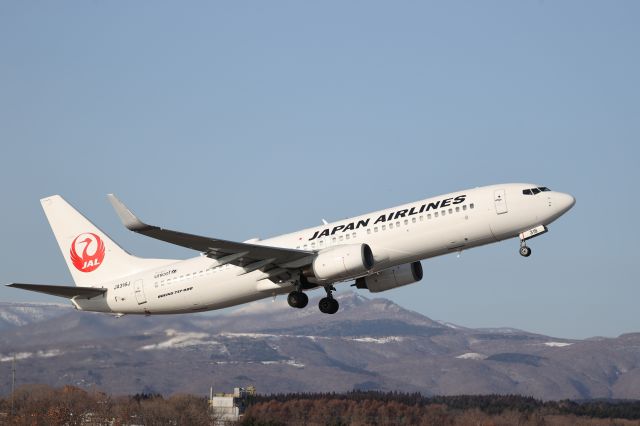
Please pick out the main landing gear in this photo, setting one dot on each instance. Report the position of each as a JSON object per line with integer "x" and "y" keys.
{"x": 329, "y": 305}
{"x": 299, "y": 299}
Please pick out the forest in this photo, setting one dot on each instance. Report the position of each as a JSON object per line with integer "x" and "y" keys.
{"x": 44, "y": 405}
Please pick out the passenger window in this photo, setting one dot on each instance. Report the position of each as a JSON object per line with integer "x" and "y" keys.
{"x": 390, "y": 226}
{"x": 420, "y": 218}
{"x": 305, "y": 246}
{"x": 471, "y": 206}
{"x": 406, "y": 221}
{"x": 341, "y": 238}
{"x": 333, "y": 239}
{"x": 443, "y": 212}
{"x": 348, "y": 236}
{"x": 464, "y": 207}
{"x": 353, "y": 235}
{"x": 313, "y": 244}
{"x": 369, "y": 231}
{"x": 436, "y": 214}
{"x": 450, "y": 211}
{"x": 429, "y": 216}
{"x": 457, "y": 209}
{"x": 384, "y": 227}
{"x": 413, "y": 219}
{"x": 375, "y": 229}
{"x": 397, "y": 224}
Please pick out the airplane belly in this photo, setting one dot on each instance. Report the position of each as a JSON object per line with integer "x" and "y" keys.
{"x": 221, "y": 290}
{"x": 95, "y": 304}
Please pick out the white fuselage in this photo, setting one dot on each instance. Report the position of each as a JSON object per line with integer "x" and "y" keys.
{"x": 399, "y": 235}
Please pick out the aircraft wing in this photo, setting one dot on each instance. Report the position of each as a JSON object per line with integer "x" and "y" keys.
{"x": 62, "y": 291}
{"x": 250, "y": 256}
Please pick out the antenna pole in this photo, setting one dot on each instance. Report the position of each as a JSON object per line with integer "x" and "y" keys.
{"x": 13, "y": 384}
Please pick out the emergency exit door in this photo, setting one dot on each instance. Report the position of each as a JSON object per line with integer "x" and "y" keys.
{"x": 500, "y": 201}
{"x": 139, "y": 290}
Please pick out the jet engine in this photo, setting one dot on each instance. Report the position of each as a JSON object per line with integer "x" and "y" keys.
{"x": 341, "y": 262}
{"x": 389, "y": 278}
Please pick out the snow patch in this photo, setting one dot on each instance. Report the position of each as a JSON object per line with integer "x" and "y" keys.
{"x": 251, "y": 335}
{"x": 379, "y": 340}
{"x": 558, "y": 344}
{"x": 290, "y": 362}
{"x": 181, "y": 340}
{"x": 18, "y": 356}
{"x": 26, "y": 355}
{"x": 472, "y": 355}
{"x": 449, "y": 325}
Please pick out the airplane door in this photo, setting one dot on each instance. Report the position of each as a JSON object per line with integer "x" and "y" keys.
{"x": 500, "y": 200}
{"x": 139, "y": 290}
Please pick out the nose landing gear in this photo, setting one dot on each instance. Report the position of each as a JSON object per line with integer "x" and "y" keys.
{"x": 527, "y": 235}
{"x": 524, "y": 250}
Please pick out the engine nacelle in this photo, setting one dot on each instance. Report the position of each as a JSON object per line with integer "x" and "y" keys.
{"x": 389, "y": 278}
{"x": 342, "y": 262}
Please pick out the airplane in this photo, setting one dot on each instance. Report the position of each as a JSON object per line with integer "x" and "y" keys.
{"x": 380, "y": 251}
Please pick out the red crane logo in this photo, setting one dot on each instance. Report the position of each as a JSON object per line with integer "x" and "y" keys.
{"x": 87, "y": 262}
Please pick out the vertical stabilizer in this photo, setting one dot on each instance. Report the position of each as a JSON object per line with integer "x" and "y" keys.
{"x": 92, "y": 257}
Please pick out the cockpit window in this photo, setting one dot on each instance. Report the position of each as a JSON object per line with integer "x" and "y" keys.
{"x": 534, "y": 191}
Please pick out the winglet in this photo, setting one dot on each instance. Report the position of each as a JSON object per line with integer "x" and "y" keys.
{"x": 128, "y": 219}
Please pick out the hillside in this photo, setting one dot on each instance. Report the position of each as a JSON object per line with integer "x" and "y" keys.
{"x": 370, "y": 344}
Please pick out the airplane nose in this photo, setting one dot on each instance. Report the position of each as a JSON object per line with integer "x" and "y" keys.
{"x": 565, "y": 201}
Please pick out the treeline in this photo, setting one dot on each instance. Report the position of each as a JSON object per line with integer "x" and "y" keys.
{"x": 43, "y": 405}
{"x": 397, "y": 408}
{"x": 36, "y": 405}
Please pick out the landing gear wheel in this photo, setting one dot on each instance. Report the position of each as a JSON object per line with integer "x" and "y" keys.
{"x": 297, "y": 299}
{"x": 334, "y": 306}
{"x": 328, "y": 305}
{"x": 525, "y": 251}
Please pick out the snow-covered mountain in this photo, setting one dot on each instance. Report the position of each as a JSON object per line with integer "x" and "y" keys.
{"x": 369, "y": 344}
{"x": 19, "y": 314}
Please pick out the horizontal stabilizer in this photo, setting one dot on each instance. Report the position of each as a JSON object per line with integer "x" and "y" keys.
{"x": 62, "y": 291}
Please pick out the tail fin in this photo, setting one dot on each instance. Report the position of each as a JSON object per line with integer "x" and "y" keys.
{"x": 92, "y": 257}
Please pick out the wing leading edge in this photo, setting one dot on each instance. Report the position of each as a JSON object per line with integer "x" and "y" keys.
{"x": 249, "y": 256}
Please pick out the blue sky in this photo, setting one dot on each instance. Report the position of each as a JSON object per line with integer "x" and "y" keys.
{"x": 246, "y": 119}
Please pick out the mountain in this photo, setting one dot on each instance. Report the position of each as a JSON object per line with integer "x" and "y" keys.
{"x": 369, "y": 344}
{"x": 18, "y": 314}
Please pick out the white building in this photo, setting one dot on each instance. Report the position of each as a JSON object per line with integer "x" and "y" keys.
{"x": 228, "y": 407}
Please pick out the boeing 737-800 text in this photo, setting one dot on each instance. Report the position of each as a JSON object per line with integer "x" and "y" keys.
{"x": 380, "y": 251}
